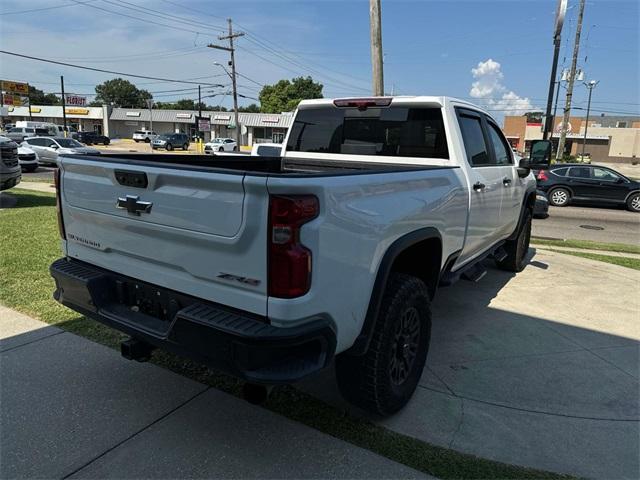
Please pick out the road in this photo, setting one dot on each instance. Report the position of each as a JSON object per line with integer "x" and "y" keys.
{"x": 590, "y": 223}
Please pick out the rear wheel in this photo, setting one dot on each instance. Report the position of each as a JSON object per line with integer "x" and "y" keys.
{"x": 559, "y": 197}
{"x": 169, "y": 147}
{"x": 106, "y": 142}
{"x": 147, "y": 140}
{"x": 136, "y": 140}
{"x": 633, "y": 202}
{"x": 383, "y": 379}
{"x": 185, "y": 146}
{"x": 518, "y": 248}
{"x": 235, "y": 149}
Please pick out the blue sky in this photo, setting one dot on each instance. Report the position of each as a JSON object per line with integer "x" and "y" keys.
{"x": 431, "y": 47}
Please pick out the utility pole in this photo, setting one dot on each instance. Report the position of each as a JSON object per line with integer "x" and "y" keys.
{"x": 375, "y": 20}
{"x": 560, "y": 13}
{"x": 231, "y": 50}
{"x": 199, "y": 116}
{"x": 64, "y": 106}
{"x": 151, "y": 135}
{"x": 590, "y": 85}
{"x": 572, "y": 76}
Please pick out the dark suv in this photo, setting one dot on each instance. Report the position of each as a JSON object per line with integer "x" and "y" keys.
{"x": 92, "y": 138}
{"x": 171, "y": 141}
{"x": 566, "y": 183}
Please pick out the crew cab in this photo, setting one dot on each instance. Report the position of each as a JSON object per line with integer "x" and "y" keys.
{"x": 269, "y": 268}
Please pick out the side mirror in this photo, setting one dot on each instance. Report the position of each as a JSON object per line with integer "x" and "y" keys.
{"x": 523, "y": 168}
{"x": 620, "y": 180}
{"x": 540, "y": 155}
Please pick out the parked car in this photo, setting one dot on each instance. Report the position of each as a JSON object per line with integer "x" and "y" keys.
{"x": 220, "y": 145}
{"x": 48, "y": 148}
{"x": 144, "y": 136}
{"x": 92, "y": 138}
{"x": 569, "y": 183}
{"x": 10, "y": 172}
{"x": 360, "y": 230}
{"x": 266, "y": 150}
{"x": 18, "y": 134}
{"x": 541, "y": 207}
{"x": 170, "y": 141}
{"x": 28, "y": 158}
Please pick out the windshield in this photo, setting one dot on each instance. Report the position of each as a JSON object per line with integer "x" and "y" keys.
{"x": 217, "y": 140}
{"x": 164, "y": 137}
{"x": 392, "y": 131}
{"x": 68, "y": 143}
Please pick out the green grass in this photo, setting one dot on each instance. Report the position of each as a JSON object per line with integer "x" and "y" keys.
{"x": 627, "y": 262}
{"x": 29, "y": 240}
{"x": 588, "y": 244}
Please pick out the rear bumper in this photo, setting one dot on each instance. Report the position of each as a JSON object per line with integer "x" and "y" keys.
{"x": 238, "y": 343}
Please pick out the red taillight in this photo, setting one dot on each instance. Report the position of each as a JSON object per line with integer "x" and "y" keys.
{"x": 542, "y": 176}
{"x": 289, "y": 260}
{"x": 56, "y": 181}
{"x": 363, "y": 103}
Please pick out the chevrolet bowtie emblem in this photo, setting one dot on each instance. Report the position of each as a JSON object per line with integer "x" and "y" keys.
{"x": 133, "y": 205}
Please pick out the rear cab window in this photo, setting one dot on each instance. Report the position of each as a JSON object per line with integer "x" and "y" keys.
{"x": 394, "y": 131}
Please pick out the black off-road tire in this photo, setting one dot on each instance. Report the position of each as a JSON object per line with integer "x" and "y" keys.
{"x": 371, "y": 381}
{"x": 633, "y": 202}
{"x": 518, "y": 248}
{"x": 559, "y": 197}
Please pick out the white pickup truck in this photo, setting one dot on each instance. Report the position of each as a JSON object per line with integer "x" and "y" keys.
{"x": 269, "y": 268}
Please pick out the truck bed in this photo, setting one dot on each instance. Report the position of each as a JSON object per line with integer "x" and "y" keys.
{"x": 258, "y": 166}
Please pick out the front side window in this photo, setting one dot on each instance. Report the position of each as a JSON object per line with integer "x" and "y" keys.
{"x": 605, "y": 175}
{"x": 392, "y": 131}
{"x": 68, "y": 143}
{"x": 474, "y": 144}
{"x": 500, "y": 146}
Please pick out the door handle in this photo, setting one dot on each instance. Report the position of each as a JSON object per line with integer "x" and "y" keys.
{"x": 479, "y": 186}
{"x": 506, "y": 181}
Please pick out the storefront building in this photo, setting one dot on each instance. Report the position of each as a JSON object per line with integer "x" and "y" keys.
{"x": 92, "y": 119}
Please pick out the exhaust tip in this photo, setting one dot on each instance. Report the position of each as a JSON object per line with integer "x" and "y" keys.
{"x": 255, "y": 394}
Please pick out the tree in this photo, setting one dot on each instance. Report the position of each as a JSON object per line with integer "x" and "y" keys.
{"x": 253, "y": 108}
{"x": 121, "y": 93}
{"x": 38, "y": 97}
{"x": 285, "y": 95}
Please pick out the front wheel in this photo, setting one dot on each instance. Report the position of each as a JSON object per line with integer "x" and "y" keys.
{"x": 221, "y": 149}
{"x": 517, "y": 249}
{"x": 169, "y": 147}
{"x": 383, "y": 379}
{"x": 559, "y": 197}
{"x": 235, "y": 149}
{"x": 633, "y": 202}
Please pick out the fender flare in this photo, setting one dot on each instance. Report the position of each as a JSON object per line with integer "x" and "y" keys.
{"x": 633, "y": 192}
{"x": 361, "y": 344}
{"x": 528, "y": 203}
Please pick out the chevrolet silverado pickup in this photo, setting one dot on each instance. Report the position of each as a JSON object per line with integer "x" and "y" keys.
{"x": 273, "y": 268}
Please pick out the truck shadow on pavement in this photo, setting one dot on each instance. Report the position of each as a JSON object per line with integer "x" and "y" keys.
{"x": 536, "y": 369}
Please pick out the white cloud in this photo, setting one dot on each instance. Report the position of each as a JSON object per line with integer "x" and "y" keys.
{"x": 489, "y": 87}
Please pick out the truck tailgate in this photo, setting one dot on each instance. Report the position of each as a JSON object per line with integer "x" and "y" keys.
{"x": 187, "y": 230}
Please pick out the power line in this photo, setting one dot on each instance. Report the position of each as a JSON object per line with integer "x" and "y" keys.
{"x": 44, "y": 8}
{"x": 105, "y": 71}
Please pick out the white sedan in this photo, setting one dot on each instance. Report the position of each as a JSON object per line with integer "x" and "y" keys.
{"x": 27, "y": 158}
{"x": 220, "y": 145}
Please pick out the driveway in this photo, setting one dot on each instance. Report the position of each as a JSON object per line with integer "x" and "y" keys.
{"x": 540, "y": 369}
{"x": 74, "y": 409}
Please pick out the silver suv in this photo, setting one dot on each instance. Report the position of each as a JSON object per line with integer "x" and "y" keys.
{"x": 10, "y": 171}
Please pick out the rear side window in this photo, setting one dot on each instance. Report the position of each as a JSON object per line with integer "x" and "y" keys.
{"x": 580, "y": 172}
{"x": 392, "y": 131}
{"x": 561, "y": 172}
{"x": 474, "y": 143}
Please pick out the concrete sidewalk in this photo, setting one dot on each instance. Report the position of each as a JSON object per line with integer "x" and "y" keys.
{"x": 540, "y": 369}
{"x": 73, "y": 408}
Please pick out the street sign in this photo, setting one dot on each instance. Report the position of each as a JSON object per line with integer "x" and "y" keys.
{"x": 204, "y": 125}
{"x": 14, "y": 88}
{"x": 75, "y": 100}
